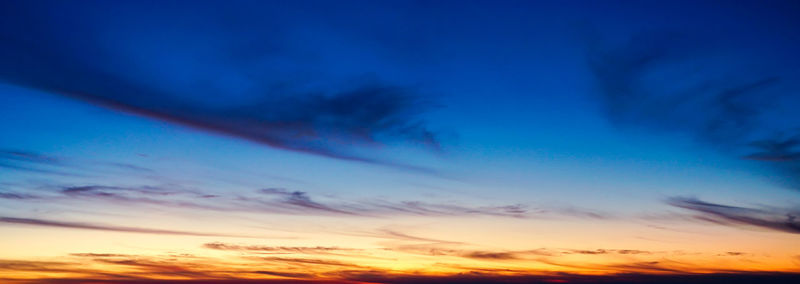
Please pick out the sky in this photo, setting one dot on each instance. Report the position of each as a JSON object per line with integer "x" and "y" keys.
{"x": 399, "y": 141}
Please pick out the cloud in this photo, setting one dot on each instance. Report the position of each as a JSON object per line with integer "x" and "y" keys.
{"x": 285, "y": 274}
{"x": 606, "y": 251}
{"x": 630, "y": 278}
{"x": 53, "y": 165}
{"x": 32, "y": 162}
{"x": 360, "y": 276}
{"x": 393, "y": 234}
{"x": 308, "y": 262}
{"x": 99, "y": 227}
{"x": 491, "y": 255}
{"x": 456, "y": 249}
{"x": 284, "y": 201}
{"x": 16, "y": 196}
{"x": 784, "y": 220}
{"x": 273, "y": 249}
{"x": 99, "y": 255}
{"x": 784, "y": 150}
{"x": 734, "y": 101}
{"x": 195, "y": 269}
{"x": 294, "y": 200}
{"x": 144, "y": 195}
{"x": 103, "y": 66}
{"x": 647, "y": 267}
{"x": 268, "y": 200}
{"x": 301, "y": 199}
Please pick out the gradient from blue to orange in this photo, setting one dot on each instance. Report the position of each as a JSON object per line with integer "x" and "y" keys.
{"x": 338, "y": 139}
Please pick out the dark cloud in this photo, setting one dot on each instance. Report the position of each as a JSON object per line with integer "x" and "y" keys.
{"x": 32, "y": 162}
{"x": 172, "y": 197}
{"x": 282, "y": 201}
{"x": 457, "y": 250}
{"x": 99, "y": 255}
{"x": 24, "y": 156}
{"x": 105, "y": 190}
{"x": 393, "y": 234}
{"x": 139, "y": 269}
{"x": 606, "y": 251}
{"x": 61, "y": 166}
{"x": 301, "y": 199}
{"x": 738, "y": 102}
{"x": 783, "y": 150}
{"x": 97, "y": 62}
{"x": 273, "y": 249}
{"x": 160, "y": 268}
{"x": 275, "y": 200}
{"x": 24, "y": 265}
{"x": 89, "y": 226}
{"x": 452, "y": 249}
{"x": 632, "y": 251}
{"x": 269, "y": 200}
{"x": 29, "y": 266}
{"x": 647, "y": 267}
{"x": 481, "y": 278}
{"x": 784, "y": 220}
{"x": 597, "y": 251}
{"x": 309, "y": 261}
{"x": 491, "y": 255}
{"x": 285, "y": 274}
{"x": 16, "y": 196}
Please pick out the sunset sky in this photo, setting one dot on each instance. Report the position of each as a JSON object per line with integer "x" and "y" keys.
{"x": 398, "y": 141}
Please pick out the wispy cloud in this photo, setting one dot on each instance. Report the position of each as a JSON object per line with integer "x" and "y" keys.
{"x": 274, "y": 249}
{"x": 607, "y": 251}
{"x": 16, "y": 196}
{"x": 61, "y": 166}
{"x": 100, "y": 227}
{"x": 315, "y": 117}
{"x": 284, "y": 201}
{"x": 463, "y": 250}
{"x": 302, "y": 200}
{"x": 164, "y": 191}
{"x": 672, "y": 82}
{"x": 784, "y": 220}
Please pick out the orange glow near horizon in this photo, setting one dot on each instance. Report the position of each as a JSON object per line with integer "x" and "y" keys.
{"x": 31, "y": 252}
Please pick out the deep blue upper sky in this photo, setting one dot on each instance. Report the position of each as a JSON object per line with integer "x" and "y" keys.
{"x": 587, "y": 103}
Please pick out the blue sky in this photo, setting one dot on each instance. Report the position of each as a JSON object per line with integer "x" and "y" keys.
{"x": 613, "y": 108}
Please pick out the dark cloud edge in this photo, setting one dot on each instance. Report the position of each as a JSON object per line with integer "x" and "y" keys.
{"x": 774, "y": 219}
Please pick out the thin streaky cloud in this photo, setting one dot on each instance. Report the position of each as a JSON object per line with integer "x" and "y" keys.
{"x": 100, "y": 227}
{"x": 777, "y": 219}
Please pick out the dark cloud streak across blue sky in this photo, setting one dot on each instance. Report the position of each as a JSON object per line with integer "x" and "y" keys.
{"x": 90, "y": 63}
